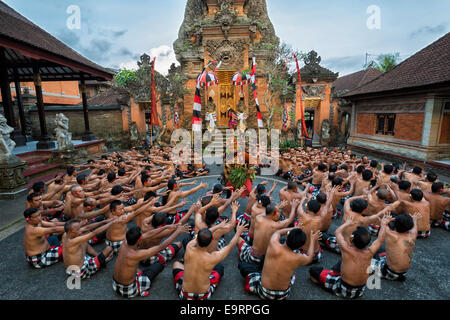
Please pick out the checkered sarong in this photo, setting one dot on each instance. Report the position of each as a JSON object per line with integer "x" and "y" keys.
{"x": 214, "y": 280}
{"x": 247, "y": 254}
{"x": 315, "y": 189}
{"x": 386, "y": 272}
{"x": 221, "y": 243}
{"x": 161, "y": 257}
{"x": 47, "y": 258}
{"x": 330, "y": 243}
{"x": 424, "y": 234}
{"x": 373, "y": 229}
{"x": 175, "y": 218}
{"x": 90, "y": 267}
{"x": 253, "y": 285}
{"x": 139, "y": 287}
{"x": 114, "y": 244}
{"x": 317, "y": 255}
{"x": 332, "y": 281}
{"x": 444, "y": 222}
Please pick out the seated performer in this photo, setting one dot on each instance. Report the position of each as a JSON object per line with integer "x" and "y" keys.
{"x": 200, "y": 274}
{"x": 40, "y": 249}
{"x": 348, "y": 278}
{"x": 128, "y": 280}
{"x": 277, "y": 277}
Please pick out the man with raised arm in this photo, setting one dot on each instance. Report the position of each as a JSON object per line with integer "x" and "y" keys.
{"x": 201, "y": 272}
{"x": 348, "y": 278}
{"x": 277, "y": 277}
{"x": 128, "y": 280}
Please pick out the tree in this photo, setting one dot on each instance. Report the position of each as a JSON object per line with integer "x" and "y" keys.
{"x": 386, "y": 62}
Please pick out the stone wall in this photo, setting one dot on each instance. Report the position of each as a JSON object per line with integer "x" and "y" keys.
{"x": 106, "y": 122}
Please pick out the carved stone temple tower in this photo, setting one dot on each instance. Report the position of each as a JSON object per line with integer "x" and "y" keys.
{"x": 232, "y": 31}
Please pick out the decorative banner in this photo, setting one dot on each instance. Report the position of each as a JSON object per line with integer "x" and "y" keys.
{"x": 154, "y": 112}
{"x": 302, "y": 114}
{"x": 255, "y": 95}
{"x": 176, "y": 118}
{"x": 285, "y": 118}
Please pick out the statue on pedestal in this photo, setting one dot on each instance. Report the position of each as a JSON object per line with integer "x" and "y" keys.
{"x": 211, "y": 114}
{"x": 6, "y": 143}
{"x": 241, "y": 114}
{"x": 63, "y": 136}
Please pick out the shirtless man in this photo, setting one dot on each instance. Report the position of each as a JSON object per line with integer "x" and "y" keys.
{"x": 289, "y": 193}
{"x": 363, "y": 182}
{"x": 438, "y": 204}
{"x": 128, "y": 280}
{"x": 338, "y": 195}
{"x": 175, "y": 194}
{"x": 255, "y": 194}
{"x": 201, "y": 272}
{"x": 412, "y": 176}
{"x": 418, "y": 204}
{"x": 400, "y": 241}
{"x": 38, "y": 250}
{"x": 424, "y": 184}
{"x": 376, "y": 203}
{"x": 384, "y": 177}
{"x": 79, "y": 257}
{"x": 278, "y": 274}
{"x": 50, "y": 209}
{"x": 348, "y": 278}
{"x": 318, "y": 176}
{"x": 257, "y": 209}
{"x": 115, "y": 235}
{"x": 265, "y": 226}
{"x": 402, "y": 190}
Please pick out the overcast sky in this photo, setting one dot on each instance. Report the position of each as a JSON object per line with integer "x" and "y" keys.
{"x": 114, "y": 33}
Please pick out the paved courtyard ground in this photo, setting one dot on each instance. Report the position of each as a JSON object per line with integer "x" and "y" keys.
{"x": 426, "y": 280}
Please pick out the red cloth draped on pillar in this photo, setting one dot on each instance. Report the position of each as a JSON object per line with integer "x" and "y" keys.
{"x": 302, "y": 114}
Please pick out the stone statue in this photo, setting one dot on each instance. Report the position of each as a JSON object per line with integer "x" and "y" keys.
{"x": 134, "y": 132}
{"x": 63, "y": 136}
{"x": 325, "y": 129}
{"x": 299, "y": 129}
{"x": 211, "y": 114}
{"x": 241, "y": 114}
{"x": 6, "y": 144}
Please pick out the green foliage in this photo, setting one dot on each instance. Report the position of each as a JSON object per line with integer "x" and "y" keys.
{"x": 125, "y": 77}
{"x": 289, "y": 144}
{"x": 386, "y": 62}
{"x": 238, "y": 176}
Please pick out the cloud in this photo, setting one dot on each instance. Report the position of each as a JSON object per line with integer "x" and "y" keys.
{"x": 70, "y": 38}
{"x": 439, "y": 29}
{"x": 164, "y": 54}
{"x": 345, "y": 65}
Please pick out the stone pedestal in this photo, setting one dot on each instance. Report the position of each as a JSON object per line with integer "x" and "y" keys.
{"x": 68, "y": 156}
{"x": 12, "y": 182}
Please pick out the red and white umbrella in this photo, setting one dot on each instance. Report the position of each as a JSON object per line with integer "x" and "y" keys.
{"x": 207, "y": 79}
{"x": 240, "y": 78}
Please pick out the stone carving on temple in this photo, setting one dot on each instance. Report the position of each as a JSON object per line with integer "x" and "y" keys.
{"x": 6, "y": 143}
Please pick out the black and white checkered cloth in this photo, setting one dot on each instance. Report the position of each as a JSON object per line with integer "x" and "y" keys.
{"x": 89, "y": 268}
{"x": 334, "y": 283}
{"x": 161, "y": 257}
{"x": 246, "y": 254}
{"x": 183, "y": 295}
{"x": 47, "y": 258}
{"x": 379, "y": 265}
{"x": 424, "y": 234}
{"x": 255, "y": 286}
{"x": 139, "y": 287}
{"x": 114, "y": 244}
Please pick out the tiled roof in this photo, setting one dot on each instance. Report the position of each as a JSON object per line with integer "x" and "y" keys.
{"x": 429, "y": 66}
{"x": 355, "y": 80}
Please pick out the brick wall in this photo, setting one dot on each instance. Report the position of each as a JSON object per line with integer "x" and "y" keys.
{"x": 408, "y": 126}
{"x": 366, "y": 123}
{"x": 445, "y": 129}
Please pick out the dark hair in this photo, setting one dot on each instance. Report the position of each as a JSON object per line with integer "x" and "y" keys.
{"x": 81, "y": 178}
{"x": 417, "y": 170}
{"x": 32, "y": 195}
{"x": 260, "y": 189}
{"x": 270, "y": 209}
{"x": 360, "y": 169}
{"x": 144, "y": 178}
{"x": 29, "y": 212}
{"x": 361, "y": 237}
{"x": 205, "y": 200}
{"x": 344, "y": 167}
{"x": 416, "y": 194}
{"x": 313, "y": 205}
{"x": 403, "y": 222}
{"x": 38, "y": 186}
{"x": 111, "y": 176}
{"x": 383, "y": 194}
{"x": 331, "y": 176}
{"x": 295, "y": 239}
{"x": 121, "y": 172}
{"x": 367, "y": 175}
{"x": 166, "y": 157}
{"x": 322, "y": 166}
{"x": 68, "y": 224}
{"x": 358, "y": 205}
{"x": 212, "y": 213}
{"x": 404, "y": 185}
{"x": 133, "y": 235}
{"x": 322, "y": 198}
{"x": 159, "y": 219}
{"x": 436, "y": 187}
{"x": 333, "y": 168}
{"x": 116, "y": 190}
{"x": 217, "y": 188}
{"x": 204, "y": 237}
{"x": 104, "y": 157}
{"x": 373, "y": 163}
{"x": 70, "y": 170}
{"x": 90, "y": 161}
{"x": 264, "y": 200}
{"x": 337, "y": 182}
{"x": 101, "y": 172}
{"x": 292, "y": 185}
{"x": 114, "y": 204}
{"x": 150, "y": 194}
{"x": 431, "y": 176}
{"x": 388, "y": 168}
{"x": 88, "y": 202}
{"x": 171, "y": 184}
